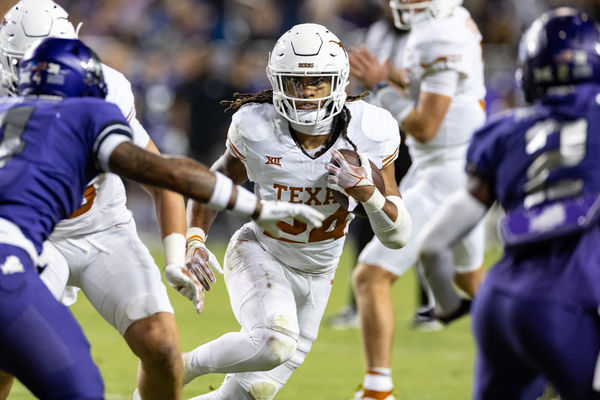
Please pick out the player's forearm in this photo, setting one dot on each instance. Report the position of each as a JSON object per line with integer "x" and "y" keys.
{"x": 170, "y": 212}
{"x": 389, "y": 219}
{"x": 363, "y": 194}
{"x": 424, "y": 121}
{"x": 168, "y": 205}
{"x": 420, "y": 126}
{"x": 182, "y": 175}
{"x": 200, "y": 216}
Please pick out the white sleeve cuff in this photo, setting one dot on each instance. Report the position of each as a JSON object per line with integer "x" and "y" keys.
{"x": 106, "y": 148}
{"x": 444, "y": 83}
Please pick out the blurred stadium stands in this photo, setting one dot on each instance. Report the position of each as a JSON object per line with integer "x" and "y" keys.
{"x": 184, "y": 56}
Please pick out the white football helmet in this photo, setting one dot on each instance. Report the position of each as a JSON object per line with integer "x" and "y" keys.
{"x": 23, "y": 24}
{"x": 409, "y": 12}
{"x": 303, "y": 62}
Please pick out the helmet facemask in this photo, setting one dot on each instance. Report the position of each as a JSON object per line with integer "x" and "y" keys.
{"x": 308, "y": 99}
{"x": 10, "y": 67}
{"x": 308, "y": 70}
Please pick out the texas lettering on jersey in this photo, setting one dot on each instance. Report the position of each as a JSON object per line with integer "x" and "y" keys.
{"x": 260, "y": 138}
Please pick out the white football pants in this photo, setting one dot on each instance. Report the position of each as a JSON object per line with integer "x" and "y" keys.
{"x": 279, "y": 310}
{"x": 115, "y": 271}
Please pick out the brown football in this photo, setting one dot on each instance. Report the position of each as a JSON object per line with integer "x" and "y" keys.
{"x": 352, "y": 157}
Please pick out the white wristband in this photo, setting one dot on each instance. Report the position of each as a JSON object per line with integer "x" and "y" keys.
{"x": 245, "y": 203}
{"x": 221, "y": 193}
{"x": 194, "y": 237}
{"x": 174, "y": 249}
{"x": 375, "y": 202}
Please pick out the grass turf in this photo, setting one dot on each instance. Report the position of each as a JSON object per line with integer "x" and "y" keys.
{"x": 431, "y": 365}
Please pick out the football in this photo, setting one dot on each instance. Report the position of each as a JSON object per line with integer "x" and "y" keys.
{"x": 352, "y": 157}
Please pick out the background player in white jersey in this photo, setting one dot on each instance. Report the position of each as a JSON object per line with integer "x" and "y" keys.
{"x": 283, "y": 140}
{"x": 443, "y": 74}
{"x": 384, "y": 43}
{"x": 97, "y": 248}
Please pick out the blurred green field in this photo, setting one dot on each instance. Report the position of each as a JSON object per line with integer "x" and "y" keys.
{"x": 432, "y": 365}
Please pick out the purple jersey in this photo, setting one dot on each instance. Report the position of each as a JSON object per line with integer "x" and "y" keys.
{"x": 49, "y": 151}
{"x": 543, "y": 165}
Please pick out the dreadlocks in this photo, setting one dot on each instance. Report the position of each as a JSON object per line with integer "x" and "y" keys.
{"x": 340, "y": 121}
{"x": 239, "y": 99}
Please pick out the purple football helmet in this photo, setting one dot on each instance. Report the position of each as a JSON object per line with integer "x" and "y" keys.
{"x": 61, "y": 67}
{"x": 561, "y": 48}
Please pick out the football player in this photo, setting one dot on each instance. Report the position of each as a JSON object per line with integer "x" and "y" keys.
{"x": 385, "y": 42}
{"x": 284, "y": 140}
{"x": 53, "y": 141}
{"x": 443, "y": 79}
{"x": 97, "y": 248}
{"x": 536, "y": 313}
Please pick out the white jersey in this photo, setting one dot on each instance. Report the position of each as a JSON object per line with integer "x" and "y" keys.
{"x": 281, "y": 170}
{"x": 437, "y": 45}
{"x": 104, "y": 200}
{"x": 385, "y": 42}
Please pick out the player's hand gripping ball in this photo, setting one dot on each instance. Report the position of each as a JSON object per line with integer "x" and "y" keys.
{"x": 370, "y": 176}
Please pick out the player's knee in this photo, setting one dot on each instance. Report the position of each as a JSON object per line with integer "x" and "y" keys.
{"x": 366, "y": 277}
{"x": 360, "y": 277}
{"x": 281, "y": 346}
{"x": 263, "y": 390}
{"x": 275, "y": 348}
{"x": 154, "y": 343}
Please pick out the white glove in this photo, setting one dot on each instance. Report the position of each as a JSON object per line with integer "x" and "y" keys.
{"x": 346, "y": 176}
{"x": 202, "y": 262}
{"x": 182, "y": 280}
{"x": 274, "y": 211}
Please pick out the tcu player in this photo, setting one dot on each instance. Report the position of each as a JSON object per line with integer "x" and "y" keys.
{"x": 283, "y": 140}
{"x": 97, "y": 248}
{"x": 536, "y": 313}
{"x": 53, "y": 142}
{"x": 443, "y": 70}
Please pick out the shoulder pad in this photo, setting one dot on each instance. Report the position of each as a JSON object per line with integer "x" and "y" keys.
{"x": 447, "y": 44}
{"x": 256, "y": 122}
{"x": 119, "y": 91}
{"x": 376, "y": 123}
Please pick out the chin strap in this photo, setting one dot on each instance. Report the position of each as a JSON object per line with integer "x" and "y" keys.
{"x": 319, "y": 129}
